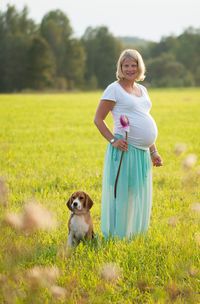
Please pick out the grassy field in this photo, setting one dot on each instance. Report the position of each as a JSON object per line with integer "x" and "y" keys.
{"x": 49, "y": 147}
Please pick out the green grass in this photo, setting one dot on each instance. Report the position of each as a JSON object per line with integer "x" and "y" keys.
{"x": 49, "y": 147}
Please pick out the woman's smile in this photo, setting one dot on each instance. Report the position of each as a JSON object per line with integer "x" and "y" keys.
{"x": 129, "y": 68}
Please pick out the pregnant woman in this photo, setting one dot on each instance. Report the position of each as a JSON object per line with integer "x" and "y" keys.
{"x": 129, "y": 213}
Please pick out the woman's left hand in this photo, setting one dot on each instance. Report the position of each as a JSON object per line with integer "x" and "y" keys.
{"x": 156, "y": 160}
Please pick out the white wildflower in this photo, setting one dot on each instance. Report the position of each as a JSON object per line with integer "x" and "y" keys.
{"x": 195, "y": 207}
{"x": 173, "y": 221}
{"x": 110, "y": 272}
{"x": 45, "y": 276}
{"x": 33, "y": 217}
{"x": 14, "y": 220}
{"x": 193, "y": 271}
{"x": 189, "y": 161}
{"x": 180, "y": 148}
{"x": 37, "y": 217}
{"x": 58, "y": 292}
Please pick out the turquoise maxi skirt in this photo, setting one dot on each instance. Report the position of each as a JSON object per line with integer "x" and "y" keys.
{"x": 129, "y": 213}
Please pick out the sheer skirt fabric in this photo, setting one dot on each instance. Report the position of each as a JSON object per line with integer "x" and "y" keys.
{"x": 129, "y": 213}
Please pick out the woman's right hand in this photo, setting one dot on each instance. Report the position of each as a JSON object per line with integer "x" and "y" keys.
{"x": 121, "y": 144}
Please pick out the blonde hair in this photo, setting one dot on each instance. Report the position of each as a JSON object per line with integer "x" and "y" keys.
{"x": 135, "y": 55}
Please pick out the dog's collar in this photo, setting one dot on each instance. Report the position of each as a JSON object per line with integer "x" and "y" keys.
{"x": 79, "y": 213}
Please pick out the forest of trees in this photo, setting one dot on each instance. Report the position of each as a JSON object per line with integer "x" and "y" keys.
{"x": 46, "y": 56}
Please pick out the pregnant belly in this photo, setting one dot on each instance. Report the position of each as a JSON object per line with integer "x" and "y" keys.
{"x": 143, "y": 131}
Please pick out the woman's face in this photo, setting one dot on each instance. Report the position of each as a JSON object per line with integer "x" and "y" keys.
{"x": 130, "y": 69}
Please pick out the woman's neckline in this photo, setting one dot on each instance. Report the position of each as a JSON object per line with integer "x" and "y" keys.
{"x": 132, "y": 94}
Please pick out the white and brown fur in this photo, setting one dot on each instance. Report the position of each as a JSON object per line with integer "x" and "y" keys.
{"x": 80, "y": 223}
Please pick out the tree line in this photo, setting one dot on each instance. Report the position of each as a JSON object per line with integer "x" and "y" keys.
{"x": 48, "y": 56}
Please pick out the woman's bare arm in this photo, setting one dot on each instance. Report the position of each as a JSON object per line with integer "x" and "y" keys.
{"x": 105, "y": 106}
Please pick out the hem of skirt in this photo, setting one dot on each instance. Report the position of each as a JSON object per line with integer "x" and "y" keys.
{"x": 111, "y": 236}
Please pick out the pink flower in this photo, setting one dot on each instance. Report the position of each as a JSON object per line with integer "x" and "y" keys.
{"x": 124, "y": 122}
{"x": 125, "y": 126}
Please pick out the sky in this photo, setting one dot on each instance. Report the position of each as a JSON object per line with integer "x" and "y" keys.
{"x": 147, "y": 19}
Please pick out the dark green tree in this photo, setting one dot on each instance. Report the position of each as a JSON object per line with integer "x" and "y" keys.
{"x": 185, "y": 62}
{"x": 16, "y": 30}
{"x": 165, "y": 71}
{"x": 75, "y": 64}
{"x": 187, "y": 51}
{"x": 68, "y": 52}
{"x": 39, "y": 56}
{"x": 55, "y": 28}
{"x": 41, "y": 65}
{"x": 102, "y": 51}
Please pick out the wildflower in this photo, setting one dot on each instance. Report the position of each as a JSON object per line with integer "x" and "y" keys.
{"x": 13, "y": 220}
{"x": 58, "y": 292}
{"x": 125, "y": 125}
{"x": 124, "y": 122}
{"x": 110, "y": 272}
{"x": 180, "y": 148}
{"x": 33, "y": 217}
{"x": 51, "y": 273}
{"x": 173, "y": 221}
{"x": 35, "y": 276}
{"x": 193, "y": 271}
{"x": 37, "y": 217}
{"x": 42, "y": 276}
{"x": 189, "y": 161}
{"x": 195, "y": 207}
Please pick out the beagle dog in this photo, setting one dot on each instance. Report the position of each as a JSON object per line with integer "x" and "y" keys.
{"x": 80, "y": 223}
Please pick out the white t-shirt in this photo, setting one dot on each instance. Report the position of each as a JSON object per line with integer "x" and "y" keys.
{"x": 143, "y": 129}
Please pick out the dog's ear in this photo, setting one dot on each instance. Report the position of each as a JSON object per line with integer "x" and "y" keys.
{"x": 89, "y": 202}
{"x": 69, "y": 203}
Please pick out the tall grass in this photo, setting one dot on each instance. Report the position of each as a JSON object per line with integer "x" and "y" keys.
{"x": 49, "y": 147}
